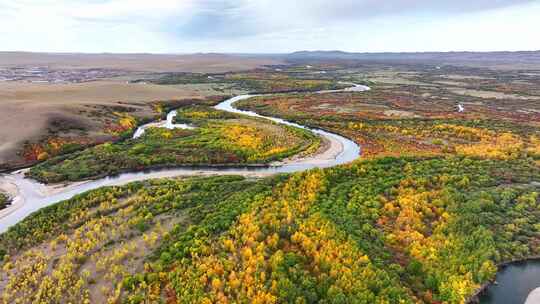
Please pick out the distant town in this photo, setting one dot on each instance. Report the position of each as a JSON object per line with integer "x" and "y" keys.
{"x": 43, "y": 74}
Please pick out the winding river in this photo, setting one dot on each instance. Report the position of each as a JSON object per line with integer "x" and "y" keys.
{"x": 515, "y": 281}
{"x": 31, "y": 195}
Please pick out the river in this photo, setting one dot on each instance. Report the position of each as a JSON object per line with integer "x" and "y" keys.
{"x": 514, "y": 283}
{"x": 32, "y": 195}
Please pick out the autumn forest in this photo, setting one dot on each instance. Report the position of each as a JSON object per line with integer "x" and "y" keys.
{"x": 444, "y": 192}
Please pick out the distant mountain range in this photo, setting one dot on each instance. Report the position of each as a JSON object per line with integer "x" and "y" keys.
{"x": 515, "y": 57}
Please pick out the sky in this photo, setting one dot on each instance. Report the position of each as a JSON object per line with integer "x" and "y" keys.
{"x": 268, "y": 26}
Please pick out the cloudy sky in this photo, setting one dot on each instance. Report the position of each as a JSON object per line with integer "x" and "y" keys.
{"x": 268, "y": 26}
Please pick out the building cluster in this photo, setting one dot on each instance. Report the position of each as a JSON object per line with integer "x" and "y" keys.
{"x": 43, "y": 74}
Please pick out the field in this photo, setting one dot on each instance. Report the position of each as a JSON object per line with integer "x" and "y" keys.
{"x": 53, "y": 114}
{"x": 200, "y": 63}
{"x": 438, "y": 201}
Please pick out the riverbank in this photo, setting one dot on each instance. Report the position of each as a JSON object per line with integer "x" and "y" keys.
{"x": 23, "y": 189}
{"x": 475, "y": 297}
{"x": 533, "y": 297}
{"x": 33, "y": 195}
{"x": 8, "y": 194}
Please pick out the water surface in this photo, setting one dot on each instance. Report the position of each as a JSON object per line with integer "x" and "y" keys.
{"x": 36, "y": 195}
{"x": 514, "y": 283}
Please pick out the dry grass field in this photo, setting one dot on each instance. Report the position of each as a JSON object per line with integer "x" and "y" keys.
{"x": 30, "y": 111}
{"x": 33, "y": 111}
{"x": 201, "y": 63}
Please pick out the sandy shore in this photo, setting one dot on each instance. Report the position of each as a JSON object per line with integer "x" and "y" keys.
{"x": 533, "y": 297}
{"x": 15, "y": 184}
{"x": 9, "y": 187}
{"x": 329, "y": 149}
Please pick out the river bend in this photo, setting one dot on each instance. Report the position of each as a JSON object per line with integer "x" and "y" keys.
{"x": 30, "y": 195}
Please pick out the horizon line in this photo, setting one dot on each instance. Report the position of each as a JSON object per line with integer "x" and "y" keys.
{"x": 264, "y": 53}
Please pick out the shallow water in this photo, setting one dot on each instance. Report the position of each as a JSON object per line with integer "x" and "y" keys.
{"x": 168, "y": 124}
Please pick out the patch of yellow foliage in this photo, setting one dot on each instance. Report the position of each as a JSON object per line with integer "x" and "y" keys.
{"x": 196, "y": 114}
{"x": 503, "y": 146}
{"x": 127, "y": 122}
{"x": 463, "y": 132}
{"x": 166, "y": 134}
{"x": 272, "y": 151}
{"x": 534, "y": 146}
{"x": 245, "y": 137}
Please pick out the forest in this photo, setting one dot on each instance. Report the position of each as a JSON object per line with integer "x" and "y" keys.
{"x": 389, "y": 230}
{"x": 415, "y": 136}
{"x": 438, "y": 200}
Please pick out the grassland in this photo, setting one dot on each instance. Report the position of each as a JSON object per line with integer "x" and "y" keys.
{"x": 80, "y": 115}
{"x": 155, "y": 63}
{"x": 31, "y": 112}
{"x": 83, "y": 114}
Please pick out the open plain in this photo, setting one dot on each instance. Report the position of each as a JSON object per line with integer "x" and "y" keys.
{"x": 50, "y": 96}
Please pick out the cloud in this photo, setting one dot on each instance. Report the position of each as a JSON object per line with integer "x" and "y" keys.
{"x": 248, "y": 25}
{"x": 89, "y": 26}
{"x": 211, "y": 19}
{"x": 215, "y": 19}
{"x": 370, "y": 8}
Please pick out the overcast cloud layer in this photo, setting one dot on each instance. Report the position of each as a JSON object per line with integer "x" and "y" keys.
{"x": 268, "y": 26}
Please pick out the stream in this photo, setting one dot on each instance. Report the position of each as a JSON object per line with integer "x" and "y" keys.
{"x": 32, "y": 195}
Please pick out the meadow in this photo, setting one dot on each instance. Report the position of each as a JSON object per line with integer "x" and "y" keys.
{"x": 43, "y": 102}
{"x": 82, "y": 114}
